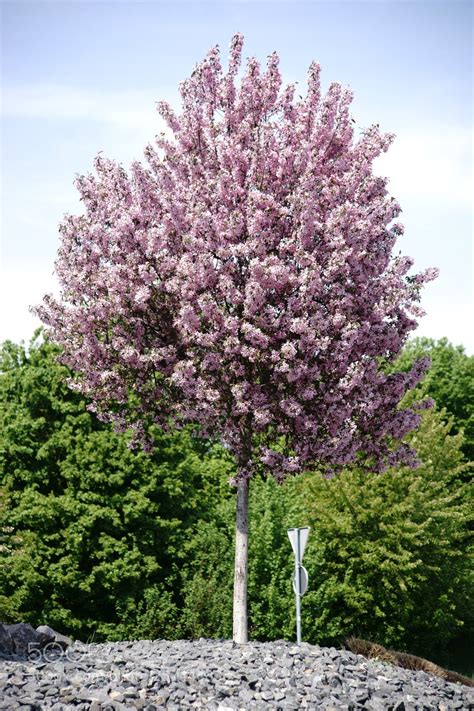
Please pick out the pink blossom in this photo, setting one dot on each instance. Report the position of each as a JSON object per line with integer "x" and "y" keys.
{"x": 243, "y": 279}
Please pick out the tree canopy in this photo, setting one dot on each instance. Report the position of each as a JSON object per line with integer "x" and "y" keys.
{"x": 243, "y": 280}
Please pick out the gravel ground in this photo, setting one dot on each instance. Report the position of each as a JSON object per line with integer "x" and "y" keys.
{"x": 211, "y": 674}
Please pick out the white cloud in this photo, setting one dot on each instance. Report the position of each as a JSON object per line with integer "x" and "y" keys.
{"x": 131, "y": 110}
{"x": 434, "y": 165}
{"x": 20, "y": 289}
{"x": 452, "y": 321}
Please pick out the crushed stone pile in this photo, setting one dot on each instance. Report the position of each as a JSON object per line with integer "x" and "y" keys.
{"x": 213, "y": 674}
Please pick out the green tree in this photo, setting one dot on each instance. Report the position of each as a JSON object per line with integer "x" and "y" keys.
{"x": 449, "y": 381}
{"x": 90, "y": 530}
{"x": 96, "y": 539}
{"x": 391, "y": 554}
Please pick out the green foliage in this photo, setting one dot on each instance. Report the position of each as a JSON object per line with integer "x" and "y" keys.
{"x": 207, "y": 579}
{"x": 390, "y": 553}
{"x": 101, "y": 541}
{"x": 389, "y": 556}
{"x": 271, "y": 598}
{"x": 449, "y": 381}
{"x": 90, "y": 525}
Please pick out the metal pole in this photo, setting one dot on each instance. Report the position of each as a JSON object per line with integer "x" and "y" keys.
{"x": 298, "y": 590}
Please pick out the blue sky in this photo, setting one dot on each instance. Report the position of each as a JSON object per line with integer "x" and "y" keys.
{"x": 80, "y": 77}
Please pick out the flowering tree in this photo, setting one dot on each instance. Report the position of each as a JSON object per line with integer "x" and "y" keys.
{"x": 243, "y": 281}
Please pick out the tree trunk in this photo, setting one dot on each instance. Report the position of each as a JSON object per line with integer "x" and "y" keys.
{"x": 241, "y": 563}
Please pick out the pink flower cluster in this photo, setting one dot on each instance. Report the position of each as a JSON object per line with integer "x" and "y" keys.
{"x": 242, "y": 279}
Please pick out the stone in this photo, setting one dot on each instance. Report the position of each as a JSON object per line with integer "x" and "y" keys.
{"x": 27, "y": 701}
{"x": 48, "y": 632}
{"x": 116, "y": 696}
{"x": 246, "y": 695}
{"x": 130, "y": 693}
{"x": 52, "y": 691}
{"x": 22, "y": 641}
{"x": 161, "y": 676}
{"x": 24, "y": 638}
{"x": 6, "y": 642}
{"x": 44, "y": 635}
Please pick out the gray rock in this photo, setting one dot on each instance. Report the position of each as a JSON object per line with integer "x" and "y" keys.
{"x": 53, "y": 636}
{"x": 22, "y": 641}
{"x": 215, "y": 674}
{"x": 6, "y": 642}
{"x": 23, "y": 638}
